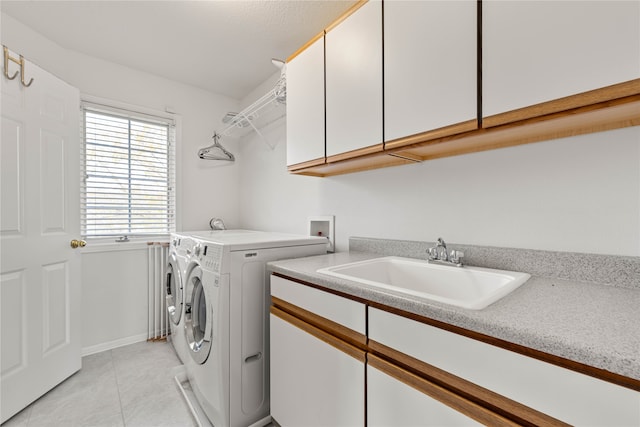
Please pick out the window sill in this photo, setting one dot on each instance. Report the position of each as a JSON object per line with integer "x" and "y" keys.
{"x": 103, "y": 245}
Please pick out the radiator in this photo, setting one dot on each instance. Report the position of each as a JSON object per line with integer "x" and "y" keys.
{"x": 158, "y": 326}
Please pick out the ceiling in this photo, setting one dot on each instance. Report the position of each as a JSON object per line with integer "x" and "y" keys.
{"x": 221, "y": 46}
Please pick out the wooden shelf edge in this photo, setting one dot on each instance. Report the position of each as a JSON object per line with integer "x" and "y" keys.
{"x": 431, "y": 135}
{"x": 357, "y": 164}
{"x": 308, "y": 164}
{"x": 608, "y": 115}
{"x": 596, "y": 96}
{"x": 372, "y": 149}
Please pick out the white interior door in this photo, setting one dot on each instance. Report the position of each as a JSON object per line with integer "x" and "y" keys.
{"x": 40, "y": 272}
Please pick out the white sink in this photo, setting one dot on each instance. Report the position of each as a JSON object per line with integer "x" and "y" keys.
{"x": 467, "y": 287}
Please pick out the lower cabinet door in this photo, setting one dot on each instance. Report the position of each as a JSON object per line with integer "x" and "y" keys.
{"x": 313, "y": 383}
{"x": 391, "y": 402}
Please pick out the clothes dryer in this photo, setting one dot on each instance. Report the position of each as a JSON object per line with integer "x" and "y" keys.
{"x": 226, "y": 320}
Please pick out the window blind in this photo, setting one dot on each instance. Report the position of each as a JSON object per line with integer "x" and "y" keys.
{"x": 129, "y": 174}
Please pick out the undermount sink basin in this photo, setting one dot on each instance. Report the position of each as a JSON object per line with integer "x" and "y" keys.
{"x": 467, "y": 287}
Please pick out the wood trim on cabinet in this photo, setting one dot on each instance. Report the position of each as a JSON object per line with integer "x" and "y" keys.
{"x": 307, "y": 164}
{"x": 608, "y": 115}
{"x": 562, "y": 362}
{"x": 430, "y": 135}
{"x": 345, "y": 15}
{"x": 407, "y": 156}
{"x": 350, "y": 336}
{"x": 608, "y": 93}
{"x": 337, "y": 343}
{"x": 306, "y": 45}
{"x": 373, "y": 149}
{"x": 477, "y": 402}
{"x": 331, "y": 26}
{"x": 359, "y": 164}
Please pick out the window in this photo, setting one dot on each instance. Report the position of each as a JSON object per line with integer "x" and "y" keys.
{"x": 129, "y": 174}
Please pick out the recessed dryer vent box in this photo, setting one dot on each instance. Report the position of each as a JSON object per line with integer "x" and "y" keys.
{"x": 323, "y": 226}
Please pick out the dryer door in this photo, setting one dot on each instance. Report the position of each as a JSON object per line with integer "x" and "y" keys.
{"x": 198, "y": 315}
{"x": 174, "y": 290}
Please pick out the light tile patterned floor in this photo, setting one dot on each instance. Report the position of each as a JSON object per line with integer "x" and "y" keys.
{"x": 128, "y": 386}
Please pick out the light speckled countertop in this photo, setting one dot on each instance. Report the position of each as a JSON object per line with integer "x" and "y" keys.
{"x": 594, "y": 324}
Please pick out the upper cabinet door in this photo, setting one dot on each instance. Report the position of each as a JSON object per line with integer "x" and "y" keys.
{"x": 354, "y": 81}
{"x": 537, "y": 51}
{"x": 305, "y": 105}
{"x": 430, "y": 66}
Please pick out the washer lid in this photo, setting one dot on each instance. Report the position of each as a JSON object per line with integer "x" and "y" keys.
{"x": 248, "y": 239}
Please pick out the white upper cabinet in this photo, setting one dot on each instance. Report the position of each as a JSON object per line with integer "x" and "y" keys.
{"x": 354, "y": 81}
{"x": 305, "y": 105}
{"x": 430, "y": 65}
{"x": 537, "y": 51}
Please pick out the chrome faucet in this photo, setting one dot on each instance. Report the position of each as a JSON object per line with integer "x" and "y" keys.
{"x": 439, "y": 254}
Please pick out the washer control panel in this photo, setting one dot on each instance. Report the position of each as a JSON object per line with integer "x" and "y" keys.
{"x": 211, "y": 257}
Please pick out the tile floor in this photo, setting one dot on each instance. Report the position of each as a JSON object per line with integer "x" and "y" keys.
{"x": 127, "y": 386}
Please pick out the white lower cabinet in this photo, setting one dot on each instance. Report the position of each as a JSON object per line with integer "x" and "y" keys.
{"x": 391, "y": 402}
{"x": 549, "y": 389}
{"x": 317, "y": 379}
{"x": 337, "y": 362}
{"x": 313, "y": 383}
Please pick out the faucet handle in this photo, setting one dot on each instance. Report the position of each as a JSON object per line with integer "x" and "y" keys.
{"x": 456, "y": 256}
{"x": 433, "y": 253}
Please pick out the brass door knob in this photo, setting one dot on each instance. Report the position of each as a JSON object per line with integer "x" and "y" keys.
{"x": 78, "y": 244}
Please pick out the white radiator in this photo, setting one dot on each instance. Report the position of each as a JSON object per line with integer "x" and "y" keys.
{"x": 158, "y": 326}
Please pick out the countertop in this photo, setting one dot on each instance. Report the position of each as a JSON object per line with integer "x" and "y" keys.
{"x": 591, "y": 323}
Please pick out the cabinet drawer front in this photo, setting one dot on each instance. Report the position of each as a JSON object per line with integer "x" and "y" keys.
{"x": 343, "y": 311}
{"x": 313, "y": 383}
{"x": 392, "y": 402}
{"x": 561, "y": 393}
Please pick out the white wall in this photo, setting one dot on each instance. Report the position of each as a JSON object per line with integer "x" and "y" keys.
{"x": 578, "y": 194}
{"x": 201, "y": 113}
{"x": 114, "y": 303}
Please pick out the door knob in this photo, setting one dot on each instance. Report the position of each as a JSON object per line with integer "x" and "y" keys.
{"x": 78, "y": 244}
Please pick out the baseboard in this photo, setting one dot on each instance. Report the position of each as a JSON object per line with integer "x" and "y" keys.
{"x": 86, "y": 351}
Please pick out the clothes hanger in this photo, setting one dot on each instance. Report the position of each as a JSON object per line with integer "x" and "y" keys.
{"x": 215, "y": 151}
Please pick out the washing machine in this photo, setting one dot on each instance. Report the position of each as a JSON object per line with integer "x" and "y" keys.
{"x": 180, "y": 250}
{"x": 226, "y": 320}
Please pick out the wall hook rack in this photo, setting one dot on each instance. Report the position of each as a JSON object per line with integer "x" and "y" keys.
{"x": 20, "y": 62}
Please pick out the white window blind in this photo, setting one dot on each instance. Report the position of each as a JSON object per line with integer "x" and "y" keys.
{"x": 129, "y": 174}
